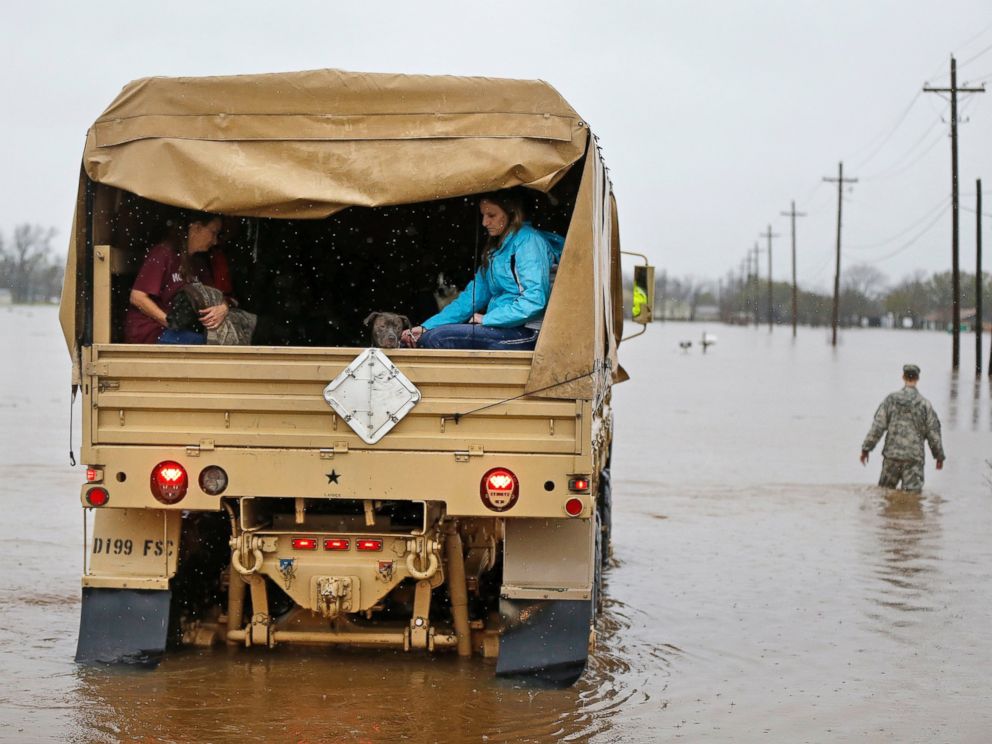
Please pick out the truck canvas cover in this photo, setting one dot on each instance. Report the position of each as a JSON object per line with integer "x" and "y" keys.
{"x": 309, "y": 144}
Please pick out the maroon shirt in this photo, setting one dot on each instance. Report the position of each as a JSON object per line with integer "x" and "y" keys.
{"x": 160, "y": 278}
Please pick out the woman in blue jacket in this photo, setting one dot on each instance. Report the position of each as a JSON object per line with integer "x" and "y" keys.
{"x": 503, "y": 306}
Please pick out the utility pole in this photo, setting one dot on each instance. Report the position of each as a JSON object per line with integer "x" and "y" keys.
{"x": 792, "y": 213}
{"x": 769, "y": 234}
{"x": 978, "y": 278}
{"x": 840, "y": 180}
{"x": 955, "y": 270}
{"x": 746, "y": 290}
{"x": 757, "y": 287}
{"x": 742, "y": 283}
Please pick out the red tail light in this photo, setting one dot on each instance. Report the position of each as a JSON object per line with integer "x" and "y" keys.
{"x": 578, "y": 483}
{"x": 304, "y": 543}
{"x": 369, "y": 544}
{"x": 335, "y": 543}
{"x": 93, "y": 475}
{"x": 573, "y": 507}
{"x": 169, "y": 482}
{"x": 499, "y": 489}
{"x": 97, "y": 496}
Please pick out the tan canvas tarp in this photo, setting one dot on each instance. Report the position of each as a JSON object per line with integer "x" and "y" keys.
{"x": 308, "y": 144}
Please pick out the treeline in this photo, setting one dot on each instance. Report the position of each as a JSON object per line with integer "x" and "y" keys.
{"x": 867, "y": 297}
{"x": 29, "y": 268}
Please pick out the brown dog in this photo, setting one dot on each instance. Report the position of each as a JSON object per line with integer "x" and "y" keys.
{"x": 386, "y": 329}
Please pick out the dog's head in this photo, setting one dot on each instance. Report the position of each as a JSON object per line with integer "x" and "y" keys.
{"x": 444, "y": 292}
{"x": 386, "y": 329}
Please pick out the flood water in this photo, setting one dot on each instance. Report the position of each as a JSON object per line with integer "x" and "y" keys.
{"x": 762, "y": 588}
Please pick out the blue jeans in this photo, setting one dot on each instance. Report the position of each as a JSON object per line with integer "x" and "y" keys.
{"x": 168, "y": 336}
{"x": 468, "y": 336}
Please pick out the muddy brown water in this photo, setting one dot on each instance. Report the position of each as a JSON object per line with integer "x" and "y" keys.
{"x": 762, "y": 589}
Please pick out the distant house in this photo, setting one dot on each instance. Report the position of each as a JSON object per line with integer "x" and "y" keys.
{"x": 940, "y": 320}
{"x": 675, "y": 309}
{"x": 6, "y": 298}
{"x": 707, "y": 313}
{"x": 969, "y": 316}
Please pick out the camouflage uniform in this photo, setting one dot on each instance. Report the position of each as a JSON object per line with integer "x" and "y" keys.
{"x": 909, "y": 419}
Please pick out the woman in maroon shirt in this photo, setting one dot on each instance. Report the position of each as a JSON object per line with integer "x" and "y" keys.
{"x": 169, "y": 266}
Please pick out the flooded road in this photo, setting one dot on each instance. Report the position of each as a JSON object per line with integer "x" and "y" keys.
{"x": 761, "y": 590}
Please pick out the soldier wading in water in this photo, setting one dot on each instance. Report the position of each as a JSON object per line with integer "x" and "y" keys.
{"x": 909, "y": 419}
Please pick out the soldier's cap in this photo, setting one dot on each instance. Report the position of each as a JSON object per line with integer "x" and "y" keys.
{"x": 911, "y": 371}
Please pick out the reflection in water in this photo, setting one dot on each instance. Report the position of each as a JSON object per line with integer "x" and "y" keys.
{"x": 952, "y": 400}
{"x": 976, "y": 391}
{"x": 989, "y": 403}
{"x": 904, "y": 564}
{"x": 294, "y": 694}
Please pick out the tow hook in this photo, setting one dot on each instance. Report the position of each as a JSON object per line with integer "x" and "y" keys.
{"x": 333, "y": 593}
{"x": 241, "y": 547}
{"x": 426, "y": 551}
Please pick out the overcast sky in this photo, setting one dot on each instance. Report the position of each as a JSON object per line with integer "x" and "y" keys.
{"x": 712, "y": 115}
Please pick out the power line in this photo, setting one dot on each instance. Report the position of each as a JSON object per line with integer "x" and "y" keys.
{"x": 822, "y": 267}
{"x": 897, "y": 163}
{"x": 972, "y": 58}
{"x": 812, "y": 191}
{"x": 912, "y": 241}
{"x": 902, "y": 168}
{"x": 909, "y": 107}
{"x": 926, "y": 215}
{"x": 974, "y": 211}
{"x": 887, "y": 137}
{"x": 963, "y": 45}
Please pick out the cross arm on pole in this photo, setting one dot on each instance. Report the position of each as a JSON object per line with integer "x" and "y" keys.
{"x": 957, "y": 89}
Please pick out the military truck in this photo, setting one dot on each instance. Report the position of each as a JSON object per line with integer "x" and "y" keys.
{"x": 309, "y": 488}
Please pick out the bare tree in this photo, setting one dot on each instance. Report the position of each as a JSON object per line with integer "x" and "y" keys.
{"x": 865, "y": 280}
{"x": 25, "y": 260}
{"x": 862, "y": 288}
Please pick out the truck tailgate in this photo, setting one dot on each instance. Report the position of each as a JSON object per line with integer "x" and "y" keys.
{"x": 273, "y": 397}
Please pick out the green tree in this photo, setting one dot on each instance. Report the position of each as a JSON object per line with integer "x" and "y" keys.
{"x": 911, "y": 298}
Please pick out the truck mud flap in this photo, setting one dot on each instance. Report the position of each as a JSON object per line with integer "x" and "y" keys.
{"x": 545, "y": 639}
{"x": 123, "y": 626}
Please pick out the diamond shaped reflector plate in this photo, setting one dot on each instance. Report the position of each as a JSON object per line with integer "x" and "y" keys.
{"x": 371, "y": 395}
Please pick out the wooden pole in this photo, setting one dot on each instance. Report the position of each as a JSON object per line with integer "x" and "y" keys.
{"x": 792, "y": 213}
{"x": 840, "y": 201}
{"x": 769, "y": 234}
{"x": 978, "y": 277}
{"x": 955, "y": 267}
{"x": 955, "y": 262}
{"x": 757, "y": 287}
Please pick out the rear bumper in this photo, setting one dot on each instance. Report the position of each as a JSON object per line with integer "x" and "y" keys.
{"x": 451, "y": 478}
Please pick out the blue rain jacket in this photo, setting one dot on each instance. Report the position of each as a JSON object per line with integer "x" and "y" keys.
{"x": 509, "y": 300}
